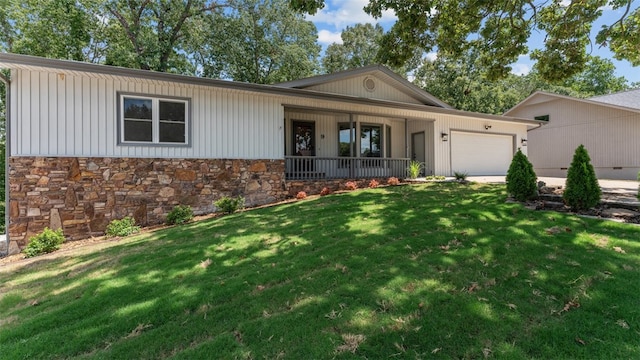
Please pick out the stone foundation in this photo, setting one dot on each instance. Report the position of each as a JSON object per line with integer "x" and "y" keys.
{"x": 82, "y": 195}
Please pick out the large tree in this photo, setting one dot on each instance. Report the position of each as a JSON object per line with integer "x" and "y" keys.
{"x": 500, "y": 30}
{"x": 258, "y": 41}
{"x": 62, "y": 29}
{"x": 461, "y": 83}
{"x": 154, "y": 34}
{"x": 360, "y": 46}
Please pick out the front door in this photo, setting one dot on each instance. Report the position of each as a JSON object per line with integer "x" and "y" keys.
{"x": 417, "y": 147}
{"x": 304, "y": 134}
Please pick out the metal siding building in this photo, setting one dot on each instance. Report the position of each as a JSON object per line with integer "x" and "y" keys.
{"x": 609, "y": 132}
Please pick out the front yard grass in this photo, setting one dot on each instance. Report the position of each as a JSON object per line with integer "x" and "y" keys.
{"x": 424, "y": 271}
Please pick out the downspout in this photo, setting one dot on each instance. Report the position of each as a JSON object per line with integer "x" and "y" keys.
{"x": 7, "y": 115}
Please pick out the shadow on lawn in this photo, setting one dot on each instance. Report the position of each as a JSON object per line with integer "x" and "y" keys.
{"x": 419, "y": 271}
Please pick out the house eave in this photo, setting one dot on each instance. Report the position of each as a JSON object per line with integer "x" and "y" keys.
{"x": 570, "y": 98}
{"x": 16, "y": 61}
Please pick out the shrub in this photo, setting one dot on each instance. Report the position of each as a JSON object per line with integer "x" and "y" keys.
{"x": 460, "y": 176}
{"x": 521, "y": 179}
{"x": 301, "y": 195}
{"x": 325, "y": 191}
{"x": 124, "y": 227}
{"x": 180, "y": 214}
{"x": 435, "y": 177}
{"x": 393, "y": 181}
{"x": 45, "y": 242}
{"x": 581, "y": 190}
{"x": 373, "y": 183}
{"x": 229, "y": 205}
{"x": 350, "y": 185}
{"x": 414, "y": 169}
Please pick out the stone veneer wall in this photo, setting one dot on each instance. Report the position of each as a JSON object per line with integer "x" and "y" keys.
{"x": 82, "y": 195}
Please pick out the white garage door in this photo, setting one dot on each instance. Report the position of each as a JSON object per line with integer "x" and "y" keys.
{"x": 481, "y": 154}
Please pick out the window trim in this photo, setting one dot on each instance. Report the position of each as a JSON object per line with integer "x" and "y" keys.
{"x": 380, "y": 150}
{"x": 155, "y": 103}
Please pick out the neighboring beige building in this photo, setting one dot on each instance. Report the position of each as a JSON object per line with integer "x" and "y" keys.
{"x": 608, "y": 126}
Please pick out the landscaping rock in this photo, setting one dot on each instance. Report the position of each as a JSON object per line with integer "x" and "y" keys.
{"x": 619, "y": 213}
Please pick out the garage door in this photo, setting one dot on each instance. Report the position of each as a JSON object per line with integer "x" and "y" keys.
{"x": 481, "y": 154}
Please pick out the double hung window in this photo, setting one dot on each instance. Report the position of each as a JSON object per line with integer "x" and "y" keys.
{"x": 153, "y": 120}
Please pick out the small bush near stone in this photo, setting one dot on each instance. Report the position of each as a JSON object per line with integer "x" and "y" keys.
{"x": 460, "y": 176}
{"x": 350, "y": 185}
{"x": 325, "y": 191}
{"x": 123, "y": 227}
{"x": 228, "y": 205}
{"x": 181, "y": 214}
{"x": 45, "y": 242}
{"x": 373, "y": 183}
{"x": 393, "y": 181}
{"x": 581, "y": 190}
{"x": 521, "y": 179}
{"x": 301, "y": 195}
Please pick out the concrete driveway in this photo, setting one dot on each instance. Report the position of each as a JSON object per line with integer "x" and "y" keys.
{"x": 626, "y": 187}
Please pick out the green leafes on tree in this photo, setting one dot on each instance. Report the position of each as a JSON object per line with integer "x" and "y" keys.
{"x": 259, "y": 41}
{"x": 500, "y": 30}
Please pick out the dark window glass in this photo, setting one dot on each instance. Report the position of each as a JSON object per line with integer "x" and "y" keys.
{"x": 345, "y": 137}
{"x": 542, "y": 117}
{"x": 138, "y": 130}
{"x": 137, "y": 109}
{"x": 172, "y": 111}
{"x": 172, "y": 132}
{"x": 370, "y": 141}
{"x": 387, "y": 142}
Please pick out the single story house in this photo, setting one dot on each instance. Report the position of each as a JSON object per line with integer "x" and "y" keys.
{"x": 89, "y": 143}
{"x": 608, "y": 126}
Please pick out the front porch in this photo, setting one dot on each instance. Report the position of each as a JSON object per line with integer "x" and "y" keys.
{"x": 322, "y": 144}
{"x": 319, "y": 168}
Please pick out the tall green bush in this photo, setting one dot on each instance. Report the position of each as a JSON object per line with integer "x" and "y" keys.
{"x": 521, "y": 178}
{"x": 581, "y": 190}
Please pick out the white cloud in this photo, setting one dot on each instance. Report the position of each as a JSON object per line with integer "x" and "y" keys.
{"x": 340, "y": 13}
{"x": 432, "y": 56}
{"x": 326, "y": 37}
{"x": 520, "y": 69}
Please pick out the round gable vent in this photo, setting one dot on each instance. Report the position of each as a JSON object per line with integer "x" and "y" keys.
{"x": 369, "y": 84}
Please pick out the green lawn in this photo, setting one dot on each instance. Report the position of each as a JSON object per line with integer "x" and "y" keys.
{"x": 424, "y": 271}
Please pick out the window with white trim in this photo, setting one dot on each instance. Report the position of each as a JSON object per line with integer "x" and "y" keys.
{"x": 153, "y": 120}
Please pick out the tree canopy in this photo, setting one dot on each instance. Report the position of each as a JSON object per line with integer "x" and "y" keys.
{"x": 499, "y": 31}
{"x": 258, "y": 41}
{"x": 461, "y": 83}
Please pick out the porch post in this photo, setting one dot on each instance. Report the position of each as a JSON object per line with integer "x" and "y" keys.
{"x": 406, "y": 138}
{"x": 351, "y": 140}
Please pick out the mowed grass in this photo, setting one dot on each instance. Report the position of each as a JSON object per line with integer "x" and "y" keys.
{"x": 410, "y": 272}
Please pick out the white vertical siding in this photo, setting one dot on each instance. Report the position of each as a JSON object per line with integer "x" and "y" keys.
{"x": 73, "y": 115}
{"x": 448, "y": 123}
{"x": 610, "y": 136}
{"x": 354, "y": 86}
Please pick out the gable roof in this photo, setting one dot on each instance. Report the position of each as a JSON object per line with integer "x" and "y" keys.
{"x": 380, "y": 71}
{"x": 543, "y": 96}
{"x": 34, "y": 63}
{"x": 630, "y": 99}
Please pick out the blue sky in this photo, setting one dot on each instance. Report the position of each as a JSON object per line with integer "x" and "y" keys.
{"x": 338, "y": 14}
